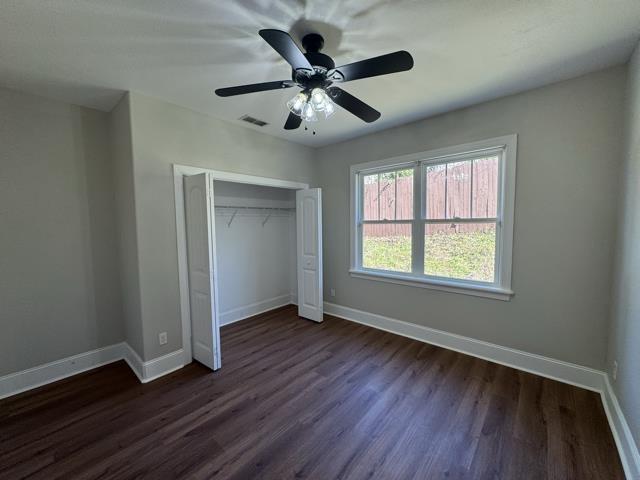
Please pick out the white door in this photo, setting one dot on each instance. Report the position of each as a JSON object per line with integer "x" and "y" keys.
{"x": 205, "y": 331}
{"x": 309, "y": 224}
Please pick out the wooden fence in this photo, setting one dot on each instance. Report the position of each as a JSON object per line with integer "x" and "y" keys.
{"x": 465, "y": 189}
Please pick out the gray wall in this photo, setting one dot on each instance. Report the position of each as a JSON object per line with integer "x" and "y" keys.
{"x": 624, "y": 339}
{"x": 58, "y": 272}
{"x": 164, "y": 134}
{"x": 127, "y": 239}
{"x": 569, "y": 137}
{"x": 61, "y": 289}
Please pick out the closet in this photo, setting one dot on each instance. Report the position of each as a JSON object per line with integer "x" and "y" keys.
{"x": 255, "y": 230}
{"x": 246, "y": 245}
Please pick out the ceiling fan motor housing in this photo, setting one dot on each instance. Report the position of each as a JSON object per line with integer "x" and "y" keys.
{"x": 313, "y": 43}
{"x": 322, "y": 63}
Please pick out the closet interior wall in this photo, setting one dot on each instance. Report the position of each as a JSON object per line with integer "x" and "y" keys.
{"x": 255, "y": 249}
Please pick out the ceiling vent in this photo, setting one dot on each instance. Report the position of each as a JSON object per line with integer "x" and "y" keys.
{"x": 255, "y": 121}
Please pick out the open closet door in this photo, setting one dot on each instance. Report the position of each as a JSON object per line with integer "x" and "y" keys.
{"x": 205, "y": 331}
{"x": 309, "y": 225}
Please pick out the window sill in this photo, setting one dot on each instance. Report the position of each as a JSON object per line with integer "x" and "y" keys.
{"x": 495, "y": 293}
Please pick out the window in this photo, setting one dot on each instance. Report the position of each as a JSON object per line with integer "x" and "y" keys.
{"x": 441, "y": 219}
{"x": 387, "y": 213}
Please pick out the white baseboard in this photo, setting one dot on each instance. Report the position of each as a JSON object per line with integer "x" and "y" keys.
{"x": 246, "y": 311}
{"x": 134, "y": 361}
{"x": 152, "y": 369}
{"x": 19, "y": 382}
{"x": 544, "y": 366}
{"x": 629, "y": 455}
{"x": 163, "y": 365}
{"x": 547, "y": 367}
{"x": 24, "y": 380}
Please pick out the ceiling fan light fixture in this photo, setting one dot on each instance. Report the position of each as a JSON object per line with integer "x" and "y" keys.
{"x": 296, "y": 104}
{"x": 329, "y": 109}
{"x": 318, "y": 99}
{"x": 308, "y": 113}
{"x": 322, "y": 102}
{"x": 307, "y": 105}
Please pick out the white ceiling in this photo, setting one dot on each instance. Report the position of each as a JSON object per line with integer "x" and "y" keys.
{"x": 88, "y": 52}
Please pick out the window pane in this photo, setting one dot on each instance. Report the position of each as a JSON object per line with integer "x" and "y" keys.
{"x": 387, "y": 247}
{"x": 459, "y": 189}
{"x": 435, "y": 186}
{"x": 461, "y": 251}
{"x": 370, "y": 202}
{"x": 448, "y": 190}
{"x": 404, "y": 203}
{"x": 467, "y": 189}
{"x": 388, "y": 196}
{"x": 485, "y": 187}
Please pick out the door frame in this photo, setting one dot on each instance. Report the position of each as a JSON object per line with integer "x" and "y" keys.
{"x": 179, "y": 172}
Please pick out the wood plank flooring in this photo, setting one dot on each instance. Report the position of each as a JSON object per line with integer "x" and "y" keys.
{"x": 296, "y": 399}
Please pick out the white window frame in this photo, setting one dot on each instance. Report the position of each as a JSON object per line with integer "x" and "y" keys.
{"x": 500, "y": 289}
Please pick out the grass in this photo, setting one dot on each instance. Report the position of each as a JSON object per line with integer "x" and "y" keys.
{"x": 463, "y": 255}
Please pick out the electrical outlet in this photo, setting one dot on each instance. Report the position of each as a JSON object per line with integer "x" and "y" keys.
{"x": 333, "y": 292}
{"x": 614, "y": 372}
{"x": 162, "y": 338}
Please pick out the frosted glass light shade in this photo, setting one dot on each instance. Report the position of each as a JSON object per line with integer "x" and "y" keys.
{"x": 306, "y": 105}
{"x": 308, "y": 113}
{"x": 296, "y": 104}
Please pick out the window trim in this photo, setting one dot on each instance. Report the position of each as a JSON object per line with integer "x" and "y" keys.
{"x": 501, "y": 288}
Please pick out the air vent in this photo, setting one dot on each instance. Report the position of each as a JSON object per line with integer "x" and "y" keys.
{"x": 255, "y": 121}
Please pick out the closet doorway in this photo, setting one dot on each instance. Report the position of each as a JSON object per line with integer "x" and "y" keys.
{"x": 246, "y": 245}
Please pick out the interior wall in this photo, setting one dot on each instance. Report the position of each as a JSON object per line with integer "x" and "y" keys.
{"x": 166, "y": 134}
{"x": 255, "y": 254}
{"x": 59, "y": 291}
{"x": 569, "y": 153}
{"x": 127, "y": 239}
{"x": 624, "y": 338}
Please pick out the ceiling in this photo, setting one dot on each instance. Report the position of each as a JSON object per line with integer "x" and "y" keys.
{"x": 88, "y": 52}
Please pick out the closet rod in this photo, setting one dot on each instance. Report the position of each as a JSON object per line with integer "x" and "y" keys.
{"x": 245, "y": 207}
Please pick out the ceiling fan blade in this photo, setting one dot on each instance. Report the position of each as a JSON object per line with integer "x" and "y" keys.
{"x": 286, "y": 47}
{"x": 353, "y": 105}
{"x": 293, "y": 122}
{"x": 372, "y": 67}
{"x": 254, "y": 87}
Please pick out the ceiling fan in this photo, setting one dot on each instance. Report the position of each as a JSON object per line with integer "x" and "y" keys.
{"x": 316, "y": 74}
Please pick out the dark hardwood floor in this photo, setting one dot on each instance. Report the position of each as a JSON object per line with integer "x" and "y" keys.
{"x": 295, "y": 399}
